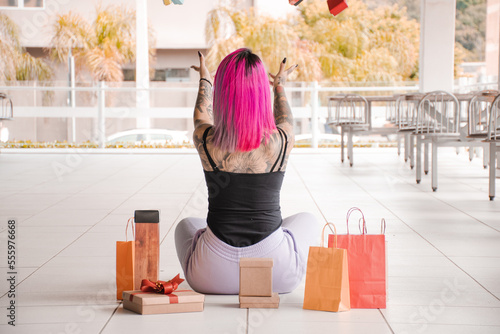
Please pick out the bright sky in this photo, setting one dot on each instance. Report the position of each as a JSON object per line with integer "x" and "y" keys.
{"x": 276, "y": 8}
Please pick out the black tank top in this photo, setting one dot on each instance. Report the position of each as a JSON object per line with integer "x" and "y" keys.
{"x": 244, "y": 209}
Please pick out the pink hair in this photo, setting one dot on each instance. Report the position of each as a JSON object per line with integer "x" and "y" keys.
{"x": 242, "y": 103}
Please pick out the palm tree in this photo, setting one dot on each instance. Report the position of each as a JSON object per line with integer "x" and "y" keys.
{"x": 100, "y": 48}
{"x": 15, "y": 62}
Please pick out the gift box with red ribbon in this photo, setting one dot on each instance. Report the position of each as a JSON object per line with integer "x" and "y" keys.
{"x": 163, "y": 297}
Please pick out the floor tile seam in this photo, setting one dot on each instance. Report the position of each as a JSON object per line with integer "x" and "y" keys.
{"x": 436, "y": 198}
{"x": 56, "y": 203}
{"x": 49, "y": 180}
{"x": 448, "y": 324}
{"x": 420, "y": 235}
{"x": 110, "y": 317}
{"x": 85, "y": 232}
{"x": 441, "y": 200}
{"x": 294, "y": 167}
{"x": 386, "y": 321}
{"x": 181, "y": 211}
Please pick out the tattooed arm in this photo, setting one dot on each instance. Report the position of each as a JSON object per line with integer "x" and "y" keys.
{"x": 203, "y": 108}
{"x": 282, "y": 111}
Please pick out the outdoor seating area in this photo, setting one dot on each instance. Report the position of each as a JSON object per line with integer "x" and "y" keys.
{"x": 443, "y": 247}
{"x": 250, "y": 166}
{"x": 426, "y": 120}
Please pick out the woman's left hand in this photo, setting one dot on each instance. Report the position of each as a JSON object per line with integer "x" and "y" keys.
{"x": 202, "y": 69}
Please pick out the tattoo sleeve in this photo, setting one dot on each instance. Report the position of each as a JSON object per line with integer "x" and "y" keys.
{"x": 282, "y": 111}
{"x": 203, "y": 112}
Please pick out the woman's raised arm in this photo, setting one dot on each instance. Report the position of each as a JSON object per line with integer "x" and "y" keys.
{"x": 203, "y": 112}
{"x": 282, "y": 112}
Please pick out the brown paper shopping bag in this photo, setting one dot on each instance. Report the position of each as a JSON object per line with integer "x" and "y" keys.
{"x": 327, "y": 278}
{"x": 125, "y": 263}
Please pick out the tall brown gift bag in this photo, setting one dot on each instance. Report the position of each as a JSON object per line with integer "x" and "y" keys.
{"x": 125, "y": 263}
{"x": 327, "y": 278}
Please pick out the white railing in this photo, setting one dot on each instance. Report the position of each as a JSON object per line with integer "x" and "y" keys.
{"x": 172, "y": 101}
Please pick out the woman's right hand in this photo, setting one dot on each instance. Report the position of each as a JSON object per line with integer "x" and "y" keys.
{"x": 202, "y": 69}
{"x": 282, "y": 75}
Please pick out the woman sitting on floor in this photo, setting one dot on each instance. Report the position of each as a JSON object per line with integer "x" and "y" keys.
{"x": 244, "y": 152}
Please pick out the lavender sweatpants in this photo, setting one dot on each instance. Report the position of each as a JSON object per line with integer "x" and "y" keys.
{"x": 212, "y": 266}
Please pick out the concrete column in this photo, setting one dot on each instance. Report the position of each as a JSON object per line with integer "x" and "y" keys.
{"x": 142, "y": 61}
{"x": 437, "y": 43}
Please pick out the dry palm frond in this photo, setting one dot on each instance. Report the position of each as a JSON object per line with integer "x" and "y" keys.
{"x": 70, "y": 31}
{"x": 15, "y": 62}
{"x": 105, "y": 64}
{"x": 102, "y": 47}
{"x": 10, "y": 48}
{"x": 115, "y": 25}
{"x": 31, "y": 68}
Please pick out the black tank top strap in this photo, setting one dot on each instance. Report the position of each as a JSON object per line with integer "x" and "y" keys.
{"x": 210, "y": 160}
{"x": 284, "y": 150}
{"x": 281, "y": 152}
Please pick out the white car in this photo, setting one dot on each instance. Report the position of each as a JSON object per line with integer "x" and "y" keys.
{"x": 150, "y": 136}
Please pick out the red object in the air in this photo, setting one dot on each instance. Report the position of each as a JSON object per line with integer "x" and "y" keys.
{"x": 336, "y": 6}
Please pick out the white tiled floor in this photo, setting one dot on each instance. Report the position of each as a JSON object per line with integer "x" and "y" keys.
{"x": 443, "y": 247}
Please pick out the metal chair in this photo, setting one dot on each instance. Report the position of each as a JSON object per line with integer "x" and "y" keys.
{"x": 484, "y": 124}
{"x": 439, "y": 123}
{"x": 407, "y": 106}
{"x": 6, "y": 107}
{"x": 350, "y": 113}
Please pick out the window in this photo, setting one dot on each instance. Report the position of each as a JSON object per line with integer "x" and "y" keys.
{"x": 177, "y": 74}
{"x": 129, "y": 74}
{"x": 171, "y": 74}
{"x": 22, "y": 4}
{"x": 161, "y": 74}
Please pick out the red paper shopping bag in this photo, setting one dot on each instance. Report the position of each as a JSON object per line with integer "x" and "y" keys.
{"x": 367, "y": 265}
{"x": 125, "y": 264}
{"x": 327, "y": 279}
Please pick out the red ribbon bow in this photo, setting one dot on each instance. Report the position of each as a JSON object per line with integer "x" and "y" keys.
{"x": 161, "y": 287}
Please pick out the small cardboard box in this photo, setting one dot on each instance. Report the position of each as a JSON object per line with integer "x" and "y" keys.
{"x": 256, "y": 277}
{"x": 336, "y": 6}
{"x": 260, "y": 302}
{"x": 154, "y": 303}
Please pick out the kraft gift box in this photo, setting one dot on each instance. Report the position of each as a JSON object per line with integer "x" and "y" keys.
{"x": 154, "y": 303}
{"x": 260, "y": 302}
{"x": 256, "y": 277}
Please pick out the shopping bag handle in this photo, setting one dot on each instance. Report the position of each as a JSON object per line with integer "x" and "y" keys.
{"x": 362, "y": 219}
{"x": 323, "y": 234}
{"x": 126, "y": 229}
{"x": 362, "y": 222}
{"x": 382, "y": 226}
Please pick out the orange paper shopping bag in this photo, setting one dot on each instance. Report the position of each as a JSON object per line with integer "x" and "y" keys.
{"x": 327, "y": 280}
{"x": 367, "y": 265}
{"x": 125, "y": 263}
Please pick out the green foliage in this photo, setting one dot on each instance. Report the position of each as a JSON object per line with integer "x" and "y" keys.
{"x": 362, "y": 44}
{"x": 358, "y": 45}
{"x": 471, "y": 28}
